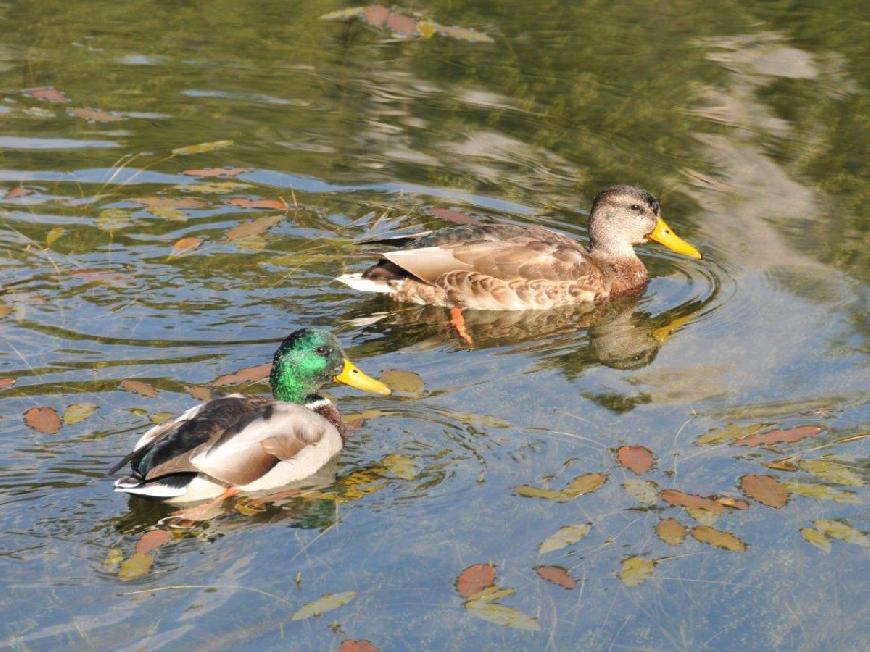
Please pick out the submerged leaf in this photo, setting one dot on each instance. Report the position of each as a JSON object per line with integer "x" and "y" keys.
{"x": 247, "y": 375}
{"x": 644, "y": 491}
{"x": 564, "y": 536}
{"x": 139, "y": 387}
{"x": 113, "y": 219}
{"x": 78, "y": 412}
{"x": 113, "y": 559}
{"x": 152, "y": 540}
{"x": 266, "y": 204}
{"x": 703, "y": 516}
{"x": 185, "y": 244}
{"x": 671, "y": 531}
{"x": 136, "y": 566}
{"x": 501, "y": 615}
{"x": 216, "y": 172}
{"x": 537, "y": 492}
{"x": 6, "y": 382}
{"x": 818, "y": 539}
{"x": 47, "y": 94}
{"x": 400, "y": 466}
{"x": 254, "y": 227}
{"x": 474, "y": 579}
{"x": 403, "y": 381}
{"x": 584, "y": 484}
{"x": 327, "y": 602}
{"x": 635, "y": 570}
{"x": 637, "y": 459}
{"x": 454, "y": 216}
{"x": 557, "y": 575}
{"x": 199, "y": 393}
{"x": 201, "y": 148}
{"x": 42, "y": 419}
{"x": 216, "y": 187}
{"x": 492, "y": 593}
{"x": 169, "y": 202}
{"x": 713, "y": 537}
{"x": 690, "y": 501}
{"x": 729, "y": 433}
{"x": 780, "y": 436}
{"x": 765, "y": 489}
{"x": 160, "y": 417}
{"x": 842, "y": 531}
{"x": 820, "y": 491}
{"x": 91, "y": 114}
{"x": 54, "y": 235}
{"x": 361, "y": 645}
{"x": 832, "y": 472}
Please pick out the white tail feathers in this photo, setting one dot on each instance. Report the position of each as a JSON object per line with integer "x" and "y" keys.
{"x": 357, "y": 282}
{"x": 132, "y": 486}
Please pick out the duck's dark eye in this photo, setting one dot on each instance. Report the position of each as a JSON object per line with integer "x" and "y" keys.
{"x": 636, "y": 208}
{"x": 322, "y": 350}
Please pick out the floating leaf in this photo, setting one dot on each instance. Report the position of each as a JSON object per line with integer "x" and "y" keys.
{"x": 842, "y": 531}
{"x": 327, "y": 602}
{"x": 474, "y": 579}
{"x": 500, "y": 615}
{"x": 113, "y": 219}
{"x": 557, "y": 575}
{"x": 247, "y": 375}
{"x": 492, "y": 593}
{"x": 47, "y": 94}
{"x": 679, "y": 499}
{"x": 54, "y": 235}
{"x": 168, "y": 213}
{"x": 6, "y": 382}
{"x": 780, "y": 436}
{"x": 403, "y": 381}
{"x": 161, "y": 417}
{"x": 267, "y": 204}
{"x": 703, "y": 516}
{"x": 139, "y": 387}
{"x": 400, "y": 466}
{"x": 78, "y": 412}
{"x": 216, "y": 172}
{"x": 818, "y": 539}
{"x": 671, "y": 531}
{"x": 152, "y": 540}
{"x": 42, "y": 419}
{"x": 729, "y": 433}
{"x": 832, "y": 472}
{"x": 113, "y": 558}
{"x": 635, "y": 570}
{"x": 584, "y": 484}
{"x": 733, "y": 503}
{"x": 201, "y": 148}
{"x": 765, "y": 489}
{"x": 95, "y": 115}
{"x": 453, "y": 216}
{"x": 820, "y": 491}
{"x": 199, "y": 393}
{"x": 537, "y": 492}
{"x": 136, "y": 566}
{"x": 644, "y": 491}
{"x": 361, "y": 645}
{"x": 713, "y": 537}
{"x": 254, "y": 227}
{"x": 637, "y": 459}
{"x": 170, "y": 202}
{"x": 785, "y": 464}
{"x": 564, "y": 536}
{"x": 217, "y": 187}
{"x": 185, "y": 244}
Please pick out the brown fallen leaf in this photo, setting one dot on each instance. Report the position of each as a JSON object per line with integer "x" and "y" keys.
{"x": 361, "y": 645}
{"x": 18, "y": 191}
{"x": 199, "y": 393}
{"x": 713, "y": 537}
{"x": 557, "y": 575}
{"x": 671, "y": 531}
{"x": 268, "y": 204}
{"x": 785, "y": 464}
{"x": 42, "y": 419}
{"x": 152, "y": 540}
{"x": 170, "y": 202}
{"x": 637, "y": 459}
{"x": 765, "y": 489}
{"x": 733, "y": 503}
{"x": 139, "y": 387}
{"x": 94, "y": 115}
{"x": 247, "y": 375}
{"x": 376, "y": 15}
{"x": 185, "y": 244}
{"x": 474, "y": 579}
{"x": 402, "y": 24}
{"x": 679, "y": 499}
{"x": 216, "y": 172}
{"x": 6, "y": 382}
{"x": 584, "y": 484}
{"x": 780, "y": 436}
{"x": 254, "y": 227}
{"x": 46, "y": 94}
{"x": 453, "y": 216}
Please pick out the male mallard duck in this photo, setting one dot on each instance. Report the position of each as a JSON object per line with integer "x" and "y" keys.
{"x": 251, "y": 443}
{"x": 508, "y": 267}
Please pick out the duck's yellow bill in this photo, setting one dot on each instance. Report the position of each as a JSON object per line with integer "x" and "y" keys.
{"x": 351, "y": 375}
{"x": 665, "y": 236}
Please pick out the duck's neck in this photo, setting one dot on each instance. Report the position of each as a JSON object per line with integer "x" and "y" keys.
{"x": 326, "y": 408}
{"x": 627, "y": 272}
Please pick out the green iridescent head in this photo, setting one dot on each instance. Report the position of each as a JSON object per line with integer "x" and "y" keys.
{"x": 310, "y": 358}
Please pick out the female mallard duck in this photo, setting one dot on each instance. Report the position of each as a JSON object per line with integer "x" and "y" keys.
{"x": 251, "y": 443}
{"x": 508, "y": 267}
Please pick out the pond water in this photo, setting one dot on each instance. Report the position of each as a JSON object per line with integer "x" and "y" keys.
{"x": 120, "y": 262}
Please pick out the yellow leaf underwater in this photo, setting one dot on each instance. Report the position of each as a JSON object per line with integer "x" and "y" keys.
{"x": 643, "y": 491}
{"x": 564, "y": 536}
{"x": 325, "y": 603}
{"x": 821, "y": 492}
{"x": 400, "y": 466}
{"x": 584, "y": 484}
{"x": 501, "y": 615}
{"x": 78, "y": 412}
{"x": 842, "y": 531}
{"x": 718, "y": 538}
{"x": 536, "y": 492}
{"x": 403, "y": 381}
{"x": 818, "y": 539}
{"x": 136, "y": 566}
{"x": 729, "y": 433}
{"x": 635, "y": 570}
{"x": 201, "y": 148}
{"x": 830, "y": 471}
{"x": 54, "y": 235}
